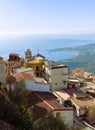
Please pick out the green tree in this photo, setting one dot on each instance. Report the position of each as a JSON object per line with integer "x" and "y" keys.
{"x": 50, "y": 123}
{"x": 19, "y": 93}
{"x": 20, "y": 117}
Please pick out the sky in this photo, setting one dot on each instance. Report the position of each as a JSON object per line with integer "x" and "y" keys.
{"x": 63, "y": 17}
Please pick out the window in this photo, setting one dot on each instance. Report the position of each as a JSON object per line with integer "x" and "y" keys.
{"x": 64, "y": 82}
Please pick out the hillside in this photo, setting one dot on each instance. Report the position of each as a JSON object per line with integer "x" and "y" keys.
{"x": 85, "y": 57}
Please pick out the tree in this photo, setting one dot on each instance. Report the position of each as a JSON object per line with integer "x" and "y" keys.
{"x": 19, "y": 117}
{"x": 14, "y": 109}
{"x": 19, "y": 93}
{"x": 50, "y": 123}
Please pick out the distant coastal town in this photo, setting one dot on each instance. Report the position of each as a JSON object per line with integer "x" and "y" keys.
{"x": 34, "y": 88}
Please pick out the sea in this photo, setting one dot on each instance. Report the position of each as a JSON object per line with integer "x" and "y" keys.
{"x": 39, "y": 44}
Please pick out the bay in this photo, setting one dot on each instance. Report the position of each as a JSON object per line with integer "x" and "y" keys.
{"x": 41, "y": 44}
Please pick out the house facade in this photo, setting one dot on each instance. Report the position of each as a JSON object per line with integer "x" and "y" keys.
{"x": 14, "y": 61}
{"x": 83, "y": 104}
{"x": 2, "y": 72}
{"x": 45, "y": 103}
{"x": 57, "y": 76}
{"x": 36, "y": 62}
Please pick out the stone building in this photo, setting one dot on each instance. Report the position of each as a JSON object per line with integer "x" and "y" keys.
{"x": 57, "y": 76}
{"x": 28, "y": 54}
{"x": 14, "y": 61}
{"x": 2, "y": 71}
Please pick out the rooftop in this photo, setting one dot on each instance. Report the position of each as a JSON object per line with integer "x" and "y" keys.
{"x": 44, "y": 103}
{"x": 22, "y": 69}
{"x": 19, "y": 76}
{"x": 61, "y": 94}
{"x": 79, "y": 98}
{"x": 40, "y": 80}
{"x": 59, "y": 66}
{"x": 84, "y": 102}
{"x": 13, "y": 54}
{"x": 39, "y": 55}
{"x": 71, "y": 91}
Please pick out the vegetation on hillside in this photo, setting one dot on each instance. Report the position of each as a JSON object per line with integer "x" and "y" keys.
{"x": 13, "y": 108}
{"x": 85, "y": 57}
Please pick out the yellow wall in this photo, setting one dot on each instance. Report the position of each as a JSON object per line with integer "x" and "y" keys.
{"x": 33, "y": 64}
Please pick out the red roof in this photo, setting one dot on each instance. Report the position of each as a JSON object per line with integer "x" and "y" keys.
{"x": 1, "y": 58}
{"x": 71, "y": 91}
{"x": 13, "y": 54}
{"x": 27, "y": 76}
{"x": 44, "y": 103}
{"x": 19, "y": 76}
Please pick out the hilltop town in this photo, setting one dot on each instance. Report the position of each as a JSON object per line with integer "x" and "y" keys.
{"x": 50, "y": 88}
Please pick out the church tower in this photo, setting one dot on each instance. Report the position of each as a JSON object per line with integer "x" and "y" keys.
{"x": 28, "y": 54}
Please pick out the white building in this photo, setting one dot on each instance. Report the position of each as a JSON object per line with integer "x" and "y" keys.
{"x": 45, "y": 104}
{"x": 32, "y": 83}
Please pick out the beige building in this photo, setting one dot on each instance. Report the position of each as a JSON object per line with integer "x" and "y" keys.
{"x": 57, "y": 76}
{"x": 2, "y": 71}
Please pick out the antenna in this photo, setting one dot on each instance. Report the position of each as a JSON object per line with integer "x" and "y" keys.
{"x": 38, "y": 51}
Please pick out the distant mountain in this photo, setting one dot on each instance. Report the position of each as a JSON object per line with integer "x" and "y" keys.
{"x": 84, "y": 58}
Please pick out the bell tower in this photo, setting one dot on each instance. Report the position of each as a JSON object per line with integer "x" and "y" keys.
{"x": 28, "y": 54}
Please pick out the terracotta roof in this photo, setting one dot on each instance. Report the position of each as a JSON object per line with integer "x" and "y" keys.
{"x": 71, "y": 91}
{"x": 15, "y": 78}
{"x": 84, "y": 102}
{"x": 19, "y": 76}
{"x": 27, "y": 76}
{"x": 1, "y": 58}
{"x": 23, "y": 75}
{"x": 14, "y": 54}
{"x": 44, "y": 103}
